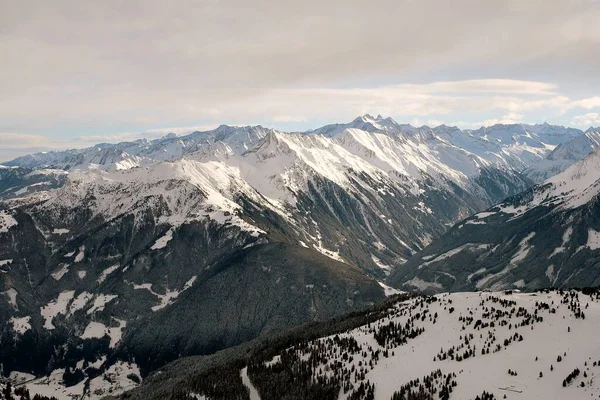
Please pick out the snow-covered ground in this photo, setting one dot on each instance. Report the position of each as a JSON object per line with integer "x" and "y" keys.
{"x": 7, "y": 221}
{"x": 168, "y": 297}
{"x": 479, "y": 336}
{"x": 115, "y": 380}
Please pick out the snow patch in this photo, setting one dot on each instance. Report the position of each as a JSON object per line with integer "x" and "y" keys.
{"x": 386, "y": 268}
{"x": 483, "y": 215}
{"x": 20, "y": 325}
{"x": 274, "y": 361}
{"x": 170, "y": 295}
{"x": 79, "y": 257}
{"x": 112, "y": 382}
{"x": 475, "y": 222}
{"x": 593, "y": 240}
{"x": 523, "y": 251}
{"x": 100, "y": 302}
{"x": 99, "y": 330}
{"x": 519, "y": 284}
{"x": 6, "y": 221}
{"x": 388, "y": 290}
{"x": 565, "y": 240}
{"x": 329, "y": 253}
{"x": 57, "y": 275}
{"x": 17, "y": 377}
{"x": 423, "y": 285}
{"x": 107, "y": 272}
{"x": 12, "y": 298}
{"x": 455, "y": 251}
{"x": 162, "y": 241}
{"x": 479, "y": 271}
{"x": 55, "y": 308}
{"x": 550, "y": 272}
{"x": 79, "y": 302}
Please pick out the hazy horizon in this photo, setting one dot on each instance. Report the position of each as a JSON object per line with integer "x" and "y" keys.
{"x": 78, "y": 73}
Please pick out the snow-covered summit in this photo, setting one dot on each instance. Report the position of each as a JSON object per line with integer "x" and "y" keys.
{"x": 514, "y": 146}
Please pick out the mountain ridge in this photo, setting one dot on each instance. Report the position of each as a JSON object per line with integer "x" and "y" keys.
{"x": 545, "y": 236}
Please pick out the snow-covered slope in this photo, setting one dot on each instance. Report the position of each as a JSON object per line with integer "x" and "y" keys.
{"x": 546, "y": 236}
{"x": 563, "y": 156}
{"x": 183, "y": 191}
{"x": 490, "y": 345}
{"x": 514, "y": 146}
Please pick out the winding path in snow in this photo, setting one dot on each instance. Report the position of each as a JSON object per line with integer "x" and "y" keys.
{"x": 246, "y": 381}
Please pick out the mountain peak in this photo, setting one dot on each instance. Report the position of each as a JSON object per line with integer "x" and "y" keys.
{"x": 369, "y": 123}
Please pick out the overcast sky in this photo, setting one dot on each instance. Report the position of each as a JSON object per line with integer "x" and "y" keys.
{"x": 74, "y": 73}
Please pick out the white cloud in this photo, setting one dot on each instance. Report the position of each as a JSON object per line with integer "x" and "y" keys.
{"x": 586, "y": 120}
{"x": 509, "y": 86}
{"x": 289, "y": 118}
{"x": 292, "y": 105}
{"x": 592, "y": 102}
{"x": 192, "y": 61}
{"x": 13, "y": 145}
{"x": 16, "y": 141}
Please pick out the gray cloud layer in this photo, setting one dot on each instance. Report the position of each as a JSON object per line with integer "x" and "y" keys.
{"x": 73, "y": 65}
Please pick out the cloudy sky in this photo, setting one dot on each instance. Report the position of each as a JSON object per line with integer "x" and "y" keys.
{"x": 77, "y": 72}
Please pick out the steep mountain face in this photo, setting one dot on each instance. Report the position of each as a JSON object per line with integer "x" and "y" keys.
{"x": 407, "y": 182}
{"x": 484, "y": 345}
{"x": 546, "y": 236}
{"x": 263, "y": 289}
{"x": 513, "y": 146}
{"x": 138, "y": 259}
{"x": 564, "y": 155}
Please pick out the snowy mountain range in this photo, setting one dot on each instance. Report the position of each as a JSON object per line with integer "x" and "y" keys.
{"x": 177, "y": 234}
{"x": 546, "y": 236}
{"x": 387, "y": 171}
